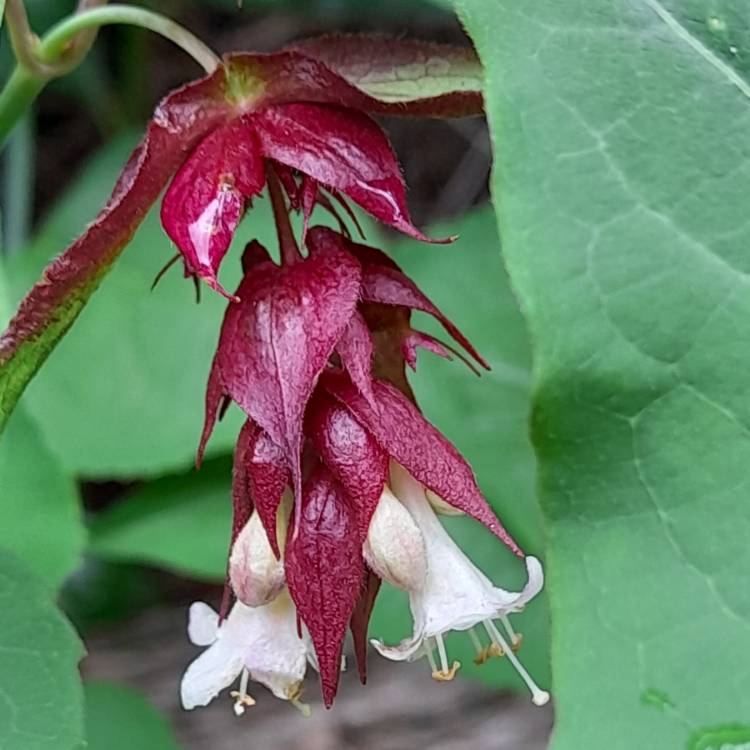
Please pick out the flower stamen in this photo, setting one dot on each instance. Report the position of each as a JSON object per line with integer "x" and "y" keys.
{"x": 444, "y": 674}
{"x": 538, "y": 697}
{"x": 293, "y": 695}
{"x": 516, "y": 639}
{"x": 242, "y": 698}
{"x": 481, "y": 656}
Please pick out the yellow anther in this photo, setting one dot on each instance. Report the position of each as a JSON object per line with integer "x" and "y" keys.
{"x": 446, "y": 675}
{"x": 241, "y": 701}
{"x": 495, "y": 651}
{"x": 483, "y": 656}
{"x": 517, "y": 643}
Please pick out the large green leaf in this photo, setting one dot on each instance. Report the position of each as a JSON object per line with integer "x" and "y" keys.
{"x": 622, "y": 136}
{"x": 41, "y": 700}
{"x": 120, "y": 718}
{"x": 181, "y": 523}
{"x": 486, "y": 418}
{"x": 39, "y": 504}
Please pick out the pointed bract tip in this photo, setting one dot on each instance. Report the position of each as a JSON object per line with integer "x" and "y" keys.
{"x": 214, "y": 284}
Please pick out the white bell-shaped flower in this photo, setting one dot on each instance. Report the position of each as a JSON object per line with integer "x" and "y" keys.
{"x": 394, "y": 547}
{"x": 254, "y": 572}
{"x": 258, "y": 643}
{"x": 456, "y": 595}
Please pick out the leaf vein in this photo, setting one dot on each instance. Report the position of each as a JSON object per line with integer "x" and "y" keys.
{"x": 708, "y": 55}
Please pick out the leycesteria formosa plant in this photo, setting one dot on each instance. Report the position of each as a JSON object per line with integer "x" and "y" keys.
{"x": 338, "y": 478}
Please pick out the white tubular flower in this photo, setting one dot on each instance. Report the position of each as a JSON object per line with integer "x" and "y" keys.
{"x": 258, "y": 643}
{"x": 456, "y": 595}
{"x": 394, "y": 547}
{"x": 255, "y": 573}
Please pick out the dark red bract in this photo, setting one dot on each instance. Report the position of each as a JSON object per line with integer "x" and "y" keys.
{"x": 299, "y": 355}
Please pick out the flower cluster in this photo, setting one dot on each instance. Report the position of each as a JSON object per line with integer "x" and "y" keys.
{"x": 338, "y": 477}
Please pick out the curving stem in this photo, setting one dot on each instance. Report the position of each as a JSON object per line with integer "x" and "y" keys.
{"x": 65, "y": 45}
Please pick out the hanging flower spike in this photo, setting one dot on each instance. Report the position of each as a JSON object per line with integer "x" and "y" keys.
{"x": 415, "y": 79}
{"x": 456, "y": 595}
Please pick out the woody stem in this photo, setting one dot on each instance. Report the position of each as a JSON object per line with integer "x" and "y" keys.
{"x": 287, "y": 243}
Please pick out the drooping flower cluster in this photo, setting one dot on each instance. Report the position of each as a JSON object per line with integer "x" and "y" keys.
{"x": 338, "y": 466}
{"x": 337, "y": 475}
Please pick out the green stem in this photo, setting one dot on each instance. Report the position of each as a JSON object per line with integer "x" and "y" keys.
{"x": 55, "y": 42}
{"x": 18, "y": 185}
{"x": 24, "y": 85}
{"x": 16, "y": 97}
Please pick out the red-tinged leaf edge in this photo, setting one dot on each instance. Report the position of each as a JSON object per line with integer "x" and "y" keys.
{"x": 324, "y": 568}
{"x": 405, "y": 76}
{"x": 53, "y": 304}
{"x": 361, "y": 620}
{"x": 419, "y": 447}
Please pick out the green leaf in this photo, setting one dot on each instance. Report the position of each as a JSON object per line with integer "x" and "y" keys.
{"x": 621, "y": 184}
{"x": 181, "y": 523}
{"x": 136, "y": 362}
{"x": 41, "y": 700}
{"x": 121, "y": 718}
{"x": 486, "y": 418}
{"x": 39, "y": 503}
